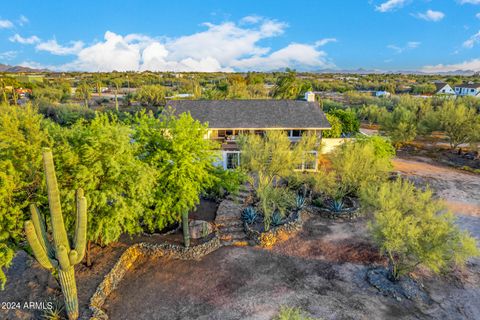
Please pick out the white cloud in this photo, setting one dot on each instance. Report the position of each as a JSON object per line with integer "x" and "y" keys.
{"x": 472, "y": 41}
{"x": 6, "y": 24}
{"x": 18, "y": 38}
{"x": 431, "y": 15}
{"x": 53, "y": 47}
{"x": 325, "y": 41}
{"x": 220, "y": 47}
{"x": 23, "y": 20}
{"x": 8, "y": 55}
{"x": 33, "y": 65}
{"x": 471, "y": 65}
{"x": 477, "y": 15}
{"x": 469, "y": 1}
{"x": 390, "y": 5}
{"x": 408, "y": 46}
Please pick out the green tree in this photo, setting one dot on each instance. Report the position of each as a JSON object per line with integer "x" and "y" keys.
{"x": 460, "y": 123}
{"x": 83, "y": 92}
{"x": 270, "y": 158}
{"x": 21, "y": 142}
{"x": 175, "y": 146}
{"x": 117, "y": 83}
{"x": 336, "y": 130}
{"x": 287, "y": 86}
{"x": 151, "y": 95}
{"x": 101, "y": 158}
{"x": 400, "y": 125}
{"x": 411, "y": 229}
{"x": 348, "y": 118}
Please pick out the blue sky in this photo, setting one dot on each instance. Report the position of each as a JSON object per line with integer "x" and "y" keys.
{"x": 234, "y": 35}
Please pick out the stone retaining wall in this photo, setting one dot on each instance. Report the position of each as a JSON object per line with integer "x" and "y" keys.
{"x": 268, "y": 238}
{"x": 131, "y": 255}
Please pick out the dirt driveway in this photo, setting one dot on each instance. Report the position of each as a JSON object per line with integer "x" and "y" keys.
{"x": 459, "y": 189}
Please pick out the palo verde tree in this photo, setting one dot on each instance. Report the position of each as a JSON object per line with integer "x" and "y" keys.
{"x": 461, "y": 124}
{"x": 270, "y": 158}
{"x": 174, "y": 145}
{"x": 151, "y": 95}
{"x": 83, "y": 92}
{"x": 59, "y": 255}
{"x": 411, "y": 229}
{"x": 100, "y": 157}
{"x": 21, "y": 142}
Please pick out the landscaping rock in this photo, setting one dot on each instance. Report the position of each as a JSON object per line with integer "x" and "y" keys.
{"x": 199, "y": 229}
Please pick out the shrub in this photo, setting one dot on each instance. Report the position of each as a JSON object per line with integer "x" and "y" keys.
{"x": 273, "y": 200}
{"x": 411, "y": 229}
{"x": 226, "y": 182}
{"x": 360, "y": 163}
{"x": 287, "y": 313}
{"x": 66, "y": 114}
{"x": 276, "y": 219}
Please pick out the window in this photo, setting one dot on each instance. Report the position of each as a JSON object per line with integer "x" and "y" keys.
{"x": 221, "y": 133}
{"x": 309, "y": 163}
{"x": 296, "y": 134}
{"x": 232, "y": 159}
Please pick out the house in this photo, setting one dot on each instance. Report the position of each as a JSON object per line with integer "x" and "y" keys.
{"x": 468, "y": 89}
{"x": 382, "y": 94}
{"x": 443, "y": 88}
{"x": 227, "y": 119}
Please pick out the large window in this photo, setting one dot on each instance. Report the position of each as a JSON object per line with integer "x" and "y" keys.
{"x": 232, "y": 159}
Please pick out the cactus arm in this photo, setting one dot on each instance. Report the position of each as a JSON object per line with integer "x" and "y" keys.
{"x": 80, "y": 239}
{"x": 40, "y": 230}
{"x": 38, "y": 250}
{"x": 63, "y": 259}
{"x": 73, "y": 257}
{"x": 59, "y": 234}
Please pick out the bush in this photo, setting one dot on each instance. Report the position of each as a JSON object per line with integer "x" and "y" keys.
{"x": 272, "y": 200}
{"x": 361, "y": 163}
{"x": 411, "y": 229}
{"x": 66, "y": 114}
{"x": 287, "y": 313}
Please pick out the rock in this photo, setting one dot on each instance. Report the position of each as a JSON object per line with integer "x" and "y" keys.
{"x": 199, "y": 229}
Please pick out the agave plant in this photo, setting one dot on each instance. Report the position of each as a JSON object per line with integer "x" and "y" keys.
{"x": 336, "y": 205}
{"x": 249, "y": 215}
{"x": 300, "y": 202}
{"x": 276, "y": 219}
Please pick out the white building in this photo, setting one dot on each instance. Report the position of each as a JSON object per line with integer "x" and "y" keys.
{"x": 470, "y": 89}
{"x": 443, "y": 88}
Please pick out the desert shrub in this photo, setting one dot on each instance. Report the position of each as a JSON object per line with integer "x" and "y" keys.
{"x": 287, "y": 313}
{"x": 274, "y": 200}
{"x": 66, "y": 114}
{"x": 360, "y": 163}
{"x": 372, "y": 113}
{"x": 151, "y": 95}
{"x": 336, "y": 130}
{"x": 411, "y": 228}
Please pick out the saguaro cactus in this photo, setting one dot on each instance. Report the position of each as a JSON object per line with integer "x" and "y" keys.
{"x": 58, "y": 255}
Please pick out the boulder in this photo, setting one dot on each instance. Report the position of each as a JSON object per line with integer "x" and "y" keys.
{"x": 199, "y": 229}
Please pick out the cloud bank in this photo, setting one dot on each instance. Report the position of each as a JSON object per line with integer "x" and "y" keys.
{"x": 225, "y": 47}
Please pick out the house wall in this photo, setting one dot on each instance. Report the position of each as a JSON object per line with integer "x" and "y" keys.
{"x": 329, "y": 144}
{"x": 461, "y": 91}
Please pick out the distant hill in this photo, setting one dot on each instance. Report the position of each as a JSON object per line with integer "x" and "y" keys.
{"x": 7, "y": 68}
{"x": 373, "y": 71}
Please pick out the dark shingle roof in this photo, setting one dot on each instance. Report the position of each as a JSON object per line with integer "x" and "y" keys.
{"x": 440, "y": 85}
{"x": 469, "y": 85}
{"x": 254, "y": 114}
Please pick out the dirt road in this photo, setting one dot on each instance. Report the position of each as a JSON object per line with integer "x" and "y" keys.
{"x": 459, "y": 189}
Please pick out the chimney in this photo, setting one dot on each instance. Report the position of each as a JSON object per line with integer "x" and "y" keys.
{"x": 310, "y": 96}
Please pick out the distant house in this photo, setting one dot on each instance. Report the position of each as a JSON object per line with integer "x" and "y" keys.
{"x": 382, "y": 93}
{"x": 468, "y": 89}
{"x": 227, "y": 119}
{"x": 443, "y": 88}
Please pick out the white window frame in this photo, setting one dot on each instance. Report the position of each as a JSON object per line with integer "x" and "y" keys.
{"x": 309, "y": 169}
{"x": 225, "y": 163}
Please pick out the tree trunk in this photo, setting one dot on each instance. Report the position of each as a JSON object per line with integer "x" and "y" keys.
{"x": 186, "y": 232}
{"x": 88, "y": 256}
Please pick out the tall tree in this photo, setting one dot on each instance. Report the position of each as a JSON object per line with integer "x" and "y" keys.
{"x": 83, "y": 92}
{"x": 175, "y": 146}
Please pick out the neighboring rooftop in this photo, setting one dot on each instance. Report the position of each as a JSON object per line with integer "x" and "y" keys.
{"x": 254, "y": 114}
{"x": 468, "y": 85}
{"x": 440, "y": 85}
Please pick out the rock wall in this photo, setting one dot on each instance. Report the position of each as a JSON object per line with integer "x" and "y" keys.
{"x": 131, "y": 255}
